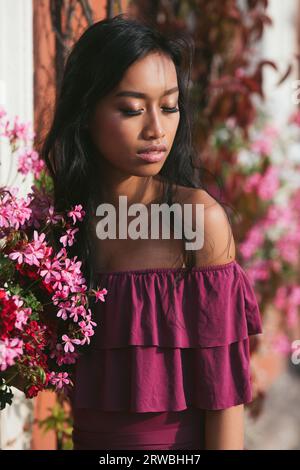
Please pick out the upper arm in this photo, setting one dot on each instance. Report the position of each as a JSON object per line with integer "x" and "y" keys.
{"x": 218, "y": 243}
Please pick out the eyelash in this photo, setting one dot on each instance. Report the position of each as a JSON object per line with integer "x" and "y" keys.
{"x": 129, "y": 112}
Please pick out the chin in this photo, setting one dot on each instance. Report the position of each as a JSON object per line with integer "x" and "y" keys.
{"x": 148, "y": 170}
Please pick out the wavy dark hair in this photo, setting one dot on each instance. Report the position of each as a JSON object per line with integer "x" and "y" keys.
{"x": 94, "y": 66}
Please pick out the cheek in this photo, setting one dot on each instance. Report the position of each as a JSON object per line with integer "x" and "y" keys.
{"x": 175, "y": 124}
{"x": 171, "y": 127}
{"x": 115, "y": 139}
{"x": 114, "y": 132}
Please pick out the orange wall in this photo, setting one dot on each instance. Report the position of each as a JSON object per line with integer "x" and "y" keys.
{"x": 44, "y": 53}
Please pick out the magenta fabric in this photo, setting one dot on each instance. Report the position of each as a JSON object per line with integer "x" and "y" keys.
{"x": 167, "y": 340}
{"x": 98, "y": 430}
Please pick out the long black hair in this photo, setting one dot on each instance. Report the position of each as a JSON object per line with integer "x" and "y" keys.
{"x": 95, "y": 65}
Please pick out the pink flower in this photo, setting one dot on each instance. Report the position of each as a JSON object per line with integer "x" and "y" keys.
{"x": 76, "y": 312}
{"x": 63, "y": 312}
{"x": 99, "y": 294}
{"x": 69, "y": 343}
{"x": 14, "y": 211}
{"x": 17, "y": 256}
{"x": 288, "y": 247}
{"x": 87, "y": 328}
{"x": 69, "y": 238}
{"x": 22, "y": 317}
{"x": 252, "y": 182}
{"x": 62, "y": 254}
{"x": 252, "y": 243}
{"x": 30, "y": 162}
{"x": 266, "y": 184}
{"x": 52, "y": 217}
{"x": 33, "y": 251}
{"x": 77, "y": 213}
{"x": 59, "y": 379}
{"x": 2, "y": 112}
{"x": 282, "y": 215}
{"x": 18, "y": 131}
{"x": 60, "y": 295}
{"x": 10, "y": 350}
{"x": 269, "y": 183}
{"x": 262, "y": 146}
{"x": 50, "y": 271}
{"x": 260, "y": 270}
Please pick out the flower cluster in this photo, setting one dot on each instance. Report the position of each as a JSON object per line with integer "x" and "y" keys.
{"x": 271, "y": 165}
{"x": 20, "y": 136}
{"x": 265, "y": 186}
{"x": 45, "y": 314}
{"x": 44, "y": 309}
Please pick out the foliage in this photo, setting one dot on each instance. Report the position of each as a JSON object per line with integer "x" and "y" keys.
{"x": 60, "y": 421}
{"x": 45, "y": 317}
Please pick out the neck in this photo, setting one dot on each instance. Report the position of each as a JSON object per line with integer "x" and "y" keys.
{"x": 138, "y": 189}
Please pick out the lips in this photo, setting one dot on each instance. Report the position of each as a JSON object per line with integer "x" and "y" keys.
{"x": 153, "y": 148}
{"x": 151, "y": 157}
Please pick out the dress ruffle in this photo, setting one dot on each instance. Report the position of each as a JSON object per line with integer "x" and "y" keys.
{"x": 169, "y": 339}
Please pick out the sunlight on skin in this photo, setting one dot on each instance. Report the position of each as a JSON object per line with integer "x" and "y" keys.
{"x": 134, "y": 122}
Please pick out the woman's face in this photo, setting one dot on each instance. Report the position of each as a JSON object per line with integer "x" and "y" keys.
{"x": 124, "y": 123}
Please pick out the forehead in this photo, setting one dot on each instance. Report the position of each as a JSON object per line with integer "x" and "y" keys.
{"x": 152, "y": 75}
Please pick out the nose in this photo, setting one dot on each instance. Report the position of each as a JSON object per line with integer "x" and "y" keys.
{"x": 153, "y": 128}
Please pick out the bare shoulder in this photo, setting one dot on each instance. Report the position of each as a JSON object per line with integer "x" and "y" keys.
{"x": 194, "y": 195}
{"x": 218, "y": 243}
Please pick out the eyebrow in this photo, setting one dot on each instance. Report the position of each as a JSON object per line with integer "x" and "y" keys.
{"x": 137, "y": 94}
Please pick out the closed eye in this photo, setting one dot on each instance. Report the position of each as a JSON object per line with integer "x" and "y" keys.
{"x": 129, "y": 112}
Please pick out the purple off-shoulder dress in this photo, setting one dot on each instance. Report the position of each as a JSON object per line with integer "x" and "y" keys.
{"x": 170, "y": 344}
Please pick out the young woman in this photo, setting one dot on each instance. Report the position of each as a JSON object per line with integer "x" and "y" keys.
{"x": 168, "y": 366}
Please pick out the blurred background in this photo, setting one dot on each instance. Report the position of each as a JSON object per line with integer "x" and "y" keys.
{"x": 245, "y": 92}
